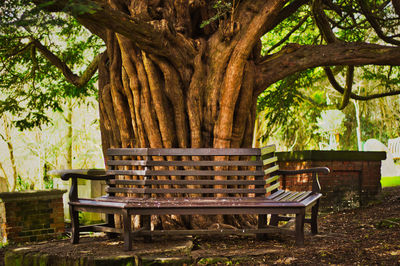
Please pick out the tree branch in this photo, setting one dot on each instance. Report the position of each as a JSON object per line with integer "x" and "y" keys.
{"x": 287, "y": 12}
{"x": 375, "y": 25}
{"x": 341, "y": 90}
{"x": 67, "y": 72}
{"x": 348, "y": 88}
{"x": 284, "y": 39}
{"x": 322, "y": 22}
{"x": 296, "y": 58}
{"x": 396, "y": 5}
{"x": 246, "y": 39}
{"x": 156, "y": 37}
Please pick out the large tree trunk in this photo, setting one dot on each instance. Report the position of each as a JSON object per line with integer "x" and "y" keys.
{"x": 201, "y": 94}
{"x": 145, "y": 103}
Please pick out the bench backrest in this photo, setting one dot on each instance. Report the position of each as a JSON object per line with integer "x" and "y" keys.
{"x": 204, "y": 172}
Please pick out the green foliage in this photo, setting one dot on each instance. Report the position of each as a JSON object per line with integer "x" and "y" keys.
{"x": 23, "y": 184}
{"x": 289, "y": 112}
{"x": 305, "y": 34}
{"x": 79, "y": 7}
{"x": 288, "y": 109}
{"x": 222, "y": 8}
{"x": 30, "y": 84}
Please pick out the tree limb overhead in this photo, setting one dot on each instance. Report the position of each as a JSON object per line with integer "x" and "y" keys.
{"x": 295, "y": 58}
{"x": 67, "y": 72}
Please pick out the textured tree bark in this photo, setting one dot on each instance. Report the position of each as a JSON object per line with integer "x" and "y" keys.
{"x": 206, "y": 99}
{"x": 144, "y": 103}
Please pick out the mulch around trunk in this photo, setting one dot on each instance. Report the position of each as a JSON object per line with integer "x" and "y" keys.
{"x": 368, "y": 235}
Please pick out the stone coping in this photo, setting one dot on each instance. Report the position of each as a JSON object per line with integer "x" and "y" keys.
{"x": 31, "y": 195}
{"x": 311, "y": 155}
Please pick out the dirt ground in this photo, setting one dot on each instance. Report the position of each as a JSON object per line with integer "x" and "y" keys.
{"x": 367, "y": 236}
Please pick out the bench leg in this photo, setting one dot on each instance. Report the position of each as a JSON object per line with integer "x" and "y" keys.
{"x": 111, "y": 223}
{"x": 314, "y": 217}
{"x": 300, "y": 217}
{"x": 146, "y": 224}
{"x": 126, "y": 219}
{"x": 262, "y": 223}
{"x": 74, "y": 225}
{"x": 274, "y": 221}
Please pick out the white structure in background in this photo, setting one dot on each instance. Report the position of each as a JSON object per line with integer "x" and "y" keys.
{"x": 389, "y": 168}
{"x": 331, "y": 126}
{"x": 394, "y": 147}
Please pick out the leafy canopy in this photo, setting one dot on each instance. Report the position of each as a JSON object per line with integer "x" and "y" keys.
{"x": 30, "y": 84}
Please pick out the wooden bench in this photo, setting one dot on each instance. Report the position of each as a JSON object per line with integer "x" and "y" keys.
{"x": 146, "y": 181}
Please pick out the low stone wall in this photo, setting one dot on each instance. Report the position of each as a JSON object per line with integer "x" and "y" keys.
{"x": 353, "y": 181}
{"x": 31, "y": 215}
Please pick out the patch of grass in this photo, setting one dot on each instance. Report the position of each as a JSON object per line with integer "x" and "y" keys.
{"x": 390, "y": 181}
{"x": 3, "y": 244}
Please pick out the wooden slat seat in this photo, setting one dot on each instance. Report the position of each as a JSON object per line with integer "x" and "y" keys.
{"x": 146, "y": 181}
{"x": 180, "y": 202}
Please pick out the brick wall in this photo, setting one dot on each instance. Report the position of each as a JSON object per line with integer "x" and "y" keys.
{"x": 31, "y": 215}
{"x": 353, "y": 181}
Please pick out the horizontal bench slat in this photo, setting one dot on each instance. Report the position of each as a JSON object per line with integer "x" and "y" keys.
{"x": 183, "y": 152}
{"x": 271, "y": 169}
{"x": 292, "y": 196}
{"x": 310, "y": 199}
{"x": 127, "y": 162}
{"x": 244, "y": 231}
{"x": 283, "y": 195}
{"x": 185, "y": 190}
{"x": 274, "y": 186}
{"x": 304, "y": 195}
{"x": 126, "y": 151}
{"x": 186, "y": 173}
{"x": 276, "y": 194}
{"x": 268, "y": 149}
{"x": 187, "y": 182}
{"x": 272, "y": 179}
{"x": 270, "y": 160}
{"x": 100, "y": 228}
{"x": 183, "y": 163}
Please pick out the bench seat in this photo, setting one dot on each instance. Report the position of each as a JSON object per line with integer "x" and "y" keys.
{"x": 183, "y": 203}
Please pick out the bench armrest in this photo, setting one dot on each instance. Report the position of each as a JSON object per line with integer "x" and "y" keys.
{"x": 316, "y": 187}
{"x": 68, "y": 176}
{"x": 74, "y": 174}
